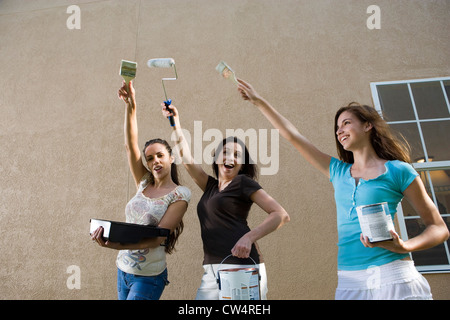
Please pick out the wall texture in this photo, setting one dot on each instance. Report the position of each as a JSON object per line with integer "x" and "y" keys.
{"x": 61, "y": 126}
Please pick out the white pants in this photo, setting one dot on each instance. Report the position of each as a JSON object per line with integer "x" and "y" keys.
{"x": 209, "y": 288}
{"x": 397, "y": 280}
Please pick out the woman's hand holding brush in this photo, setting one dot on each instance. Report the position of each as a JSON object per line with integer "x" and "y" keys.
{"x": 248, "y": 92}
{"x": 128, "y": 95}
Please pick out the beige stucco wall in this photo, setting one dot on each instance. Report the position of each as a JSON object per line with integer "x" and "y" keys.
{"x": 62, "y": 157}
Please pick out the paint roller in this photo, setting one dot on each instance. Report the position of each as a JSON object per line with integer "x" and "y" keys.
{"x": 165, "y": 63}
{"x": 226, "y": 71}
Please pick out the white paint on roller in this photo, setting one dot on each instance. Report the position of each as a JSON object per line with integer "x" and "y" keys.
{"x": 161, "y": 63}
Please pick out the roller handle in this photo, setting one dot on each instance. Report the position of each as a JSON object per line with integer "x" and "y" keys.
{"x": 171, "y": 120}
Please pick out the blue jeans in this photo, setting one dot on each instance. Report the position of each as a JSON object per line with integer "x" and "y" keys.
{"x": 134, "y": 287}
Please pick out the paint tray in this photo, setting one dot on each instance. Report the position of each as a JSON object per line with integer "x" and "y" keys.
{"x": 126, "y": 232}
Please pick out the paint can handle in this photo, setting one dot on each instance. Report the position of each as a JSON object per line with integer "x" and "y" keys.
{"x": 231, "y": 255}
{"x": 218, "y": 269}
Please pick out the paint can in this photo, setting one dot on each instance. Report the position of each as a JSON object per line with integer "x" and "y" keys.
{"x": 238, "y": 283}
{"x": 375, "y": 221}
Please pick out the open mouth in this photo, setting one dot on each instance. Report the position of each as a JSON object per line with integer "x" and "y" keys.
{"x": 344, "y": 138}
{"x": 157, "y": 168}
{"x": 229, "y": 165}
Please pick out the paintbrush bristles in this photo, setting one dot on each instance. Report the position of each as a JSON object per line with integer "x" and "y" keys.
{"x": 128, "y": 70}
{"x": 226, "y": 71}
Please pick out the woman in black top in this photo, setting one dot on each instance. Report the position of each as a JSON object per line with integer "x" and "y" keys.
{"x": 224, "y": 207}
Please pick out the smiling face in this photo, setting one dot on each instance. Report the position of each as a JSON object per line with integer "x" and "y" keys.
{"x": 158, "y": 160}
{"x": 229, "y": 162}
{"x": 352, "y": 132}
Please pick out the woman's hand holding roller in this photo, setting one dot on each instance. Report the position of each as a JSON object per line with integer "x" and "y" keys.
{"x": 173, "y": 111}
{"x": 184, "y": 149}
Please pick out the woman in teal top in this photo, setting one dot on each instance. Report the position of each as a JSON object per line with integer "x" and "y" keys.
{"x": 373, "y": 168}
{"x": 387, "y": 187}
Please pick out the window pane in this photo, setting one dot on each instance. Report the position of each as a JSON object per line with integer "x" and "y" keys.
{"x": 433, "y": 256}
{"x": 429, "y": 99}
{"x": 441, "y": 186}
{"x": 447, "y": 88}
{"x": 395, "y": 102}
{"x": 411, "y": 134}
{"x": 436, "y": 136}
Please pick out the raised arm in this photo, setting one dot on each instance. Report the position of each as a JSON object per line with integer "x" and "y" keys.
{"x": 195, "y": 170}
{"x": 314, "y": 156}
{"x": 131, "y": 132}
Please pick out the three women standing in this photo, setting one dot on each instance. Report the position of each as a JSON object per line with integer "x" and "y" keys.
{"x": 373, "y": 168}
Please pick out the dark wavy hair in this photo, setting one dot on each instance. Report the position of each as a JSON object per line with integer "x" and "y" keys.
{"x": 385, "y": 144}
{"x": 173, "y": 237}
{"x": 249, "y": 168}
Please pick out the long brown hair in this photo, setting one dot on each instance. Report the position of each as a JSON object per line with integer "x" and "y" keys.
{"x": 173, "y": 237}
{"x": 385, "y": 144}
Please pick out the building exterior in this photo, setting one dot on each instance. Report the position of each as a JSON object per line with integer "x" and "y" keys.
{"x": 63, "y": 159}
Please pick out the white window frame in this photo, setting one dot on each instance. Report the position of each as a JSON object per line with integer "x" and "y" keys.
{"x": 435, "y": 165}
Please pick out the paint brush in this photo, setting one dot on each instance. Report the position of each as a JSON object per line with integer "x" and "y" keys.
{"x": 128, "y": 71}
{"x": 226, "y": 71}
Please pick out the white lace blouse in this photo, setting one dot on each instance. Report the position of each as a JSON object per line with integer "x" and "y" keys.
{"x": 148, "y": 211}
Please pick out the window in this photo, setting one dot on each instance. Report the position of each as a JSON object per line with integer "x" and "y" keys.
{"x": 419, "y": 110}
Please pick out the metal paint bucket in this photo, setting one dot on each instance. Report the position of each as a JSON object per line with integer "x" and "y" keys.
{"x": 238, "y": 283}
